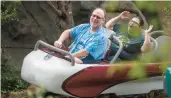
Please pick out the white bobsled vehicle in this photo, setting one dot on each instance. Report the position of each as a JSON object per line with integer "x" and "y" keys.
{"x": 46, "y": 66}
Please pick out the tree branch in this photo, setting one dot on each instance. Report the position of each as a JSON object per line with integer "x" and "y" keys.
{"x": 142, "y": 16}
{"x": 58, "y": 12}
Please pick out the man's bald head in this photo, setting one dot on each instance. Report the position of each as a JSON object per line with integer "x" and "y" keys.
{"x": 100, "y": 11}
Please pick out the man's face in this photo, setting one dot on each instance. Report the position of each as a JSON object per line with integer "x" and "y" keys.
{"x": 97, "y": 18}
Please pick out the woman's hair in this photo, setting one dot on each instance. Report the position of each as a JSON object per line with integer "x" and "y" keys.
{"x": 141, "y": 20}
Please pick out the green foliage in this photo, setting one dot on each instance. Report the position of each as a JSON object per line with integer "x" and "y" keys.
{"x": 111, "y": 6}
{"x": 41, "y": 93}
{"x": 38, "y": 94}
{"x": 153, "y": 21}
{"x": 147, "y": 5}
{"x": 168, "y": 14}
{"x": 123, "y": 27}
{"x": 10, "y": 77}
{"x": 8, "y": 11}
{"x": 138, "y": 71}
{"x": 159, "y": 13}
{"x": 125, "y": 40}
{"x": 167, "y": 18}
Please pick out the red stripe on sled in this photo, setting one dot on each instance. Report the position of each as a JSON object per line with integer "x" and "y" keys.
{"x": 91, "y": 81}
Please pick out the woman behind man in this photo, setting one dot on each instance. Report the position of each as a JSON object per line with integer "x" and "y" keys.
{"x": 135, "y": 41}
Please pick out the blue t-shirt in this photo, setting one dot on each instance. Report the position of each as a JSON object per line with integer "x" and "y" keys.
{"x": 94, "y": 43}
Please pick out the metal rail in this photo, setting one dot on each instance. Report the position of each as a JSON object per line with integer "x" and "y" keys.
{"x": 38, "y": 43}
{"x": 119, "y": 50}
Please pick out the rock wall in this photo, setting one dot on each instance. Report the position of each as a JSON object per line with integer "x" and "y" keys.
{"x": 38, "y": 20}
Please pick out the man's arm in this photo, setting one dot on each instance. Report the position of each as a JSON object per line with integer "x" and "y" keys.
{"x": 80, "y": 53}
{"x": 147, "y": 45}
{"x": 65, "y": 35}
{"x": 113, "y": 21}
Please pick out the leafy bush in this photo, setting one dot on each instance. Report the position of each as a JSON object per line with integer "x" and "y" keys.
{"x": 10, "y": 77}
{"x": 8, "y": 11}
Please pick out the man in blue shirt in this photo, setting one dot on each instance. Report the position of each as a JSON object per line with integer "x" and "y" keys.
{"x": 90, "y": 43}
{"x": 135, "y": 41}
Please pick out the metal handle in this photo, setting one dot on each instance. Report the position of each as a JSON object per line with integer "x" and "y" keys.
{"x": 119, "y": 50}
{"x": 38, "y": 43}
{"x": 158, "y": 32}
{"x": 155, "y": 43}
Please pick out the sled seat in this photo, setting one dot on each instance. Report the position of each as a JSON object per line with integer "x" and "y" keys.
{"x": 162, "y": 51}
{"x": 54, "y": 53}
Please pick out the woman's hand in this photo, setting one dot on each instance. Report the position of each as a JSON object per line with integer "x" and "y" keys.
{"x": 125, "y": 15}
{"x": 147, "y": 31}
{"x": 147, "y": 45}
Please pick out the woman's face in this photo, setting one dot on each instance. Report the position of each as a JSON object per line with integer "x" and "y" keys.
{"x": 134, "y": 22}
{"x": 134, "y": 27}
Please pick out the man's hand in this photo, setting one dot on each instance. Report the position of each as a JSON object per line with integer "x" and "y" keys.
{"x": 77, "y": 60}
{"x": 64, "y": 36}
{"x": 58, "y": 44}
{"x": 125, "y": 15}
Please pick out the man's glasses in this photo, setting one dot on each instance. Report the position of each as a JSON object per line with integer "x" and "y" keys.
{"x": 98, "y": 17}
